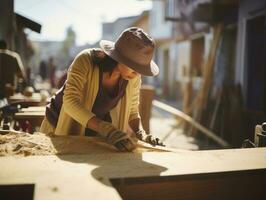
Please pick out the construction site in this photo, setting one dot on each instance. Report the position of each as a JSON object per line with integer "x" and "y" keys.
{"x": 130, "y": 99}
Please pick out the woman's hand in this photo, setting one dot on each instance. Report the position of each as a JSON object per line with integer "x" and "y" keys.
{"x": 142, "y": 135}
{"x": 125, "y": 145}
{"x": 118, "y": 138}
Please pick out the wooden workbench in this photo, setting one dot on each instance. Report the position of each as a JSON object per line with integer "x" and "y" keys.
{"x": 29, "y": 115}
{"x": 34, "y": 100}
{"x": 34, "y": 109}
{"x": 100, "y": 172}
{"x": 32, "y": 114}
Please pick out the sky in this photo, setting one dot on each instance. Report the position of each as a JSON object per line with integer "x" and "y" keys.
{"x": 85, "y": 16}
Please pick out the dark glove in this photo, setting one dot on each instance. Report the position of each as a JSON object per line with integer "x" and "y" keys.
{"x": 118, "y": 138}
{"x": 142, "y": 135}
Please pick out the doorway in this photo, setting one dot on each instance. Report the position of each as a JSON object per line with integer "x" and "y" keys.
{"x": 256, "y": 71}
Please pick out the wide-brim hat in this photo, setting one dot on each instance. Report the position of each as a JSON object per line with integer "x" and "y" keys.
{"x": 133, "y": 48}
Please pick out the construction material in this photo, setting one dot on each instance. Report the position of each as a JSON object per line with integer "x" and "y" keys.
{"x": 38, "y": 115}
{"x": 16, "y": 143}
{"x": 218, "y": 186}
{"x": 219, "y": 174}
{"x": 34, "y": 109}
{"x": 260, "y": 135}
{"x": 188, "y": 91}
{"x": 37, "y": 99}
{"x": 208, "y": 69}
{"x": 200, "y": 101}
{"x": 33, "y": 119}
{"x": 216, "y": 109}
{"x": 208, "y": 74}
{"x": 195, "y": 124}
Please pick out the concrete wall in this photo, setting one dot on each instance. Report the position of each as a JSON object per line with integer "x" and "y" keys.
{"x": 162, "y": 31}
{"x": 159, "y": 28}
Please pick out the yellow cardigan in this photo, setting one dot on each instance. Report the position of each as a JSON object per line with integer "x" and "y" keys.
{"x": 80, "y": 93}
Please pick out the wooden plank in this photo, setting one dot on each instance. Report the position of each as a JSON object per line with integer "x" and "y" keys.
{"x": 229, "y": 185}
{"x": 34, "y": 109}
{"x": 195, "y": 124}
{"x": 21, "y": 97}
{"x": 187, "y": 97}
{"x": 34, "y": 100}
{"x": 30, "y": 115}
{"x": 208, "y": 69}
{"x": 42, "y": 144}
{"x": 202, "y": 96}
{"x": 83, "y": 176}
{"x": 34, "y": 118}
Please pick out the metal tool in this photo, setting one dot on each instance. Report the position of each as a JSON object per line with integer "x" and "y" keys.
{"x": 7, "y": 112}
{"x": 260, "y": 135}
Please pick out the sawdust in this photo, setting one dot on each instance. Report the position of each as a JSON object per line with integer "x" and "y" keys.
{"x": 24, "y": 144}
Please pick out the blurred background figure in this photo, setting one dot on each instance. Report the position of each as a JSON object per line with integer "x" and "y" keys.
{"x": 43, "y": 70}
{"x": 30, "y": 80}
{"x": 11, "y": 68}
{"x": 62, "y": 78}
{"x": 52, "y": 70}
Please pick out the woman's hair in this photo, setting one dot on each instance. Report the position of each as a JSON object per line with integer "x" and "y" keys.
{"x": 3, "y": 44}
{"x": 103, "y": 60}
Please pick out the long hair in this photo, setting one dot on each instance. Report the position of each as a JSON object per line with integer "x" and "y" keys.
{"x": 104, "y": 61}
{"x": 3, "y": 44}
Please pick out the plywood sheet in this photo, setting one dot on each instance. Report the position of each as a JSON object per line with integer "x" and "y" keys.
{"x": 85, "y": 175}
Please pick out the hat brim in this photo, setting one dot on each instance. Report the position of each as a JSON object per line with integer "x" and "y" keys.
{"x": 109, "y": 48}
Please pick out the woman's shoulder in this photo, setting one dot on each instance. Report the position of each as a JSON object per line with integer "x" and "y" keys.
{"x": 92, "y": 54}
{"x": 85, "y": 52}
{"x": 90, "y": 51}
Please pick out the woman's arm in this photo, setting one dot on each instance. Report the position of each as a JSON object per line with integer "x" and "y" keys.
{"x": 134, "y": 117}
{"x": 135, "y": 120}
{"x": 114, "y": 136}
{"x": 74, "y": 91}
{"x": 134, "y": 109}
{"x": 94, "y": 123}
{"x": 141, "y": 134}
{"x": 136, "y": 125}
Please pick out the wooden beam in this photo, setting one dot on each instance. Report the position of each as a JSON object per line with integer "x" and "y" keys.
{"x": 202, "y": 96}
{"x": 190, "y": 120}
{"x": 186, "y": 175}
{"x": 242, "y": 185}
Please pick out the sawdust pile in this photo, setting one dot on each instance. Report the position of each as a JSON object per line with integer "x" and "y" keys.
{"x": 25, "y": 144}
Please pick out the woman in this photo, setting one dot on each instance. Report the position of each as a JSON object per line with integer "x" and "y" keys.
{"x": 101, "y": 93}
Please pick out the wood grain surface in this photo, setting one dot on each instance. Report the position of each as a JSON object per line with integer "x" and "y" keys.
{"x": 100, "y": 172}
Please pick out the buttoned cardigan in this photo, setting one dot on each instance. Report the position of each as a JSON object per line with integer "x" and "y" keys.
{"x": 82, "y": 86}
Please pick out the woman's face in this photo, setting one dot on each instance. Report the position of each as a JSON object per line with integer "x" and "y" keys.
{"x": 126, "y": 72}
